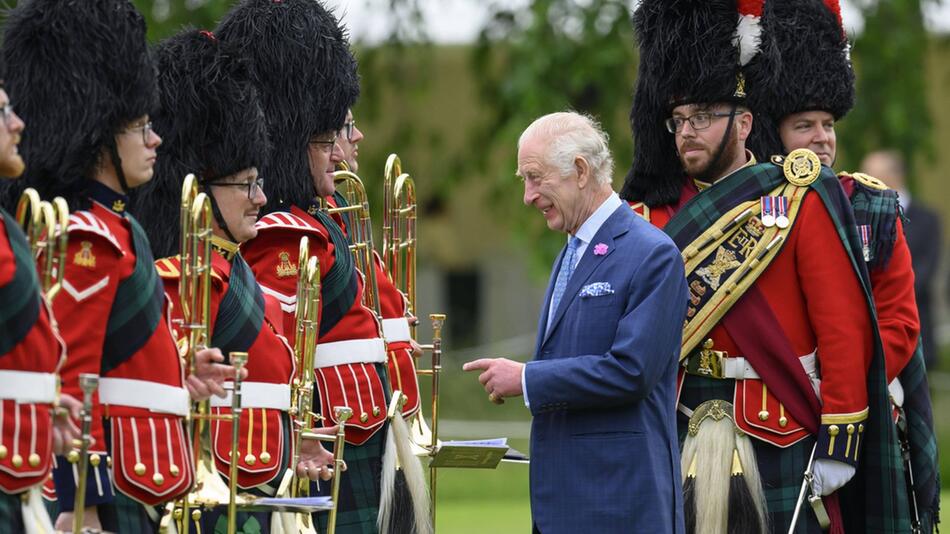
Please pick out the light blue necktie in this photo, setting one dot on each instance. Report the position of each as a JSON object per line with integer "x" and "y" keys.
{"x": 564, "y": 275}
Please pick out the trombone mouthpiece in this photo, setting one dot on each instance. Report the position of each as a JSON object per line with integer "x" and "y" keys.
{"x": 88, "y": 382}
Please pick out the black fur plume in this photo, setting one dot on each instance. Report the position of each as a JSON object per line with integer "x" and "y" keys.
{"x": 211, "y": 124}
{"x": 306, "y": 76}
{"x": 77, "y": 72}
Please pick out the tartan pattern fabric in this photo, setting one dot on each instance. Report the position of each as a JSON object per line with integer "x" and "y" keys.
{"x": 339, "y": 285}
{"x": 780, "y": 469}
{"x": 359, "y": 487}
{"x": 879, "y": 210}
{"x": 11, "y": 514}
{"x": 703, "y": 210}
{"x": 241, "y": 312}
{"x": 20, "y": 296}
{"x": 133, "y": 517}
{"x": 137, "y": 307}
{"x": 923, "y": 442}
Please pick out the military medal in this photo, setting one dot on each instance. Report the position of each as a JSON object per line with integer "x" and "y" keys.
{"x": 781, "y": 206}
{"x": 768, "y": 211}
{"x": 865, "y": 231}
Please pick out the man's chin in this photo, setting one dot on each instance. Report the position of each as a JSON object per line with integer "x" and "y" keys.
{"x": 12, "y": 167}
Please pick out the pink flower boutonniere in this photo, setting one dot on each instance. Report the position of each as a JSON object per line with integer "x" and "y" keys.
{"x": 600, "y": 249}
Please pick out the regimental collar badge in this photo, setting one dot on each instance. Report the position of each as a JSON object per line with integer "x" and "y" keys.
{"x": 84, "y": 257}
{"x": 285, "y": 269}
{"x": 118, "y": 206}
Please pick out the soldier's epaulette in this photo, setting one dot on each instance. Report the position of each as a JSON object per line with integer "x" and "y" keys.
{"x": 801, "y": 166}
{"x": 641, "y": 209}
{"x": 86, "y": 221}
{"x": 169, "y": 268}
{"x": 280, "y": 219}
{"x": 867, "y": 180}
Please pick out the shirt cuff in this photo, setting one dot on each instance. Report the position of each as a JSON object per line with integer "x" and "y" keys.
{"x": 524, "y": 388}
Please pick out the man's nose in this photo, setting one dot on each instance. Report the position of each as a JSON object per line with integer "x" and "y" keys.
{"x": 530, "y": 192}
{"x": 336, "y": 155}
{"x": 821, "y": 135}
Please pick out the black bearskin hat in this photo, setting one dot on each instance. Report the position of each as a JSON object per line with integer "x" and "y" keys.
{"x": 211, "y": 123}
{"x": 691, "y": 51}
{"x": 77, "y": 72}
{"x": 813, "y": 71}
{"x": 306, "y": 77}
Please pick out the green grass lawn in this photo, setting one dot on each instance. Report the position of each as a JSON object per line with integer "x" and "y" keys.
{"x": 476, "y": 501}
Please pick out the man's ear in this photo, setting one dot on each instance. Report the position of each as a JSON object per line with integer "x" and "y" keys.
{"x": 744, "y": 125}
{"x": 583, "y": 171}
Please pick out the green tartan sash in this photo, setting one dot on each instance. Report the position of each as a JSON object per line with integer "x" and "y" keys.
{"x": 339, "y": 284}
{"x": 137, "y": 308}
{"x": 241, "y": 312}
{"x": 20, "y": 296}
{"x": 875, "y": 500}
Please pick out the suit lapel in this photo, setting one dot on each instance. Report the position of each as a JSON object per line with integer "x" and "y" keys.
{"x": 589, "y": 262}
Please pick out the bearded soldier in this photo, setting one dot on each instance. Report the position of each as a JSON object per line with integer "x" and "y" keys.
{"x": 31, "y": 351}
{"x": 773, "y": 381}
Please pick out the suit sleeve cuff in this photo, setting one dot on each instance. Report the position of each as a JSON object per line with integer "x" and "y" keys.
{"x": 840, "y": 436}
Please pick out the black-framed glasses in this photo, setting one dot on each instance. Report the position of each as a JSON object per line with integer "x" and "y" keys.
{"x": 698, "y": 121}
{"x": 325, "y": 142}
{"x": 347, "y": 131}
{"x": 146, "y": 130}
{"x": 253, "y": 187}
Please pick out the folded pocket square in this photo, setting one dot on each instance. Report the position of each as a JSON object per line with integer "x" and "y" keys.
{"x": 597, "y": 289}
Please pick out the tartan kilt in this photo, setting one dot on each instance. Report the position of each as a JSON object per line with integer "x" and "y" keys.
{"x": 780, "y": 469}
{"x": 133, "y": 517}
{"x": 359, "y": 487}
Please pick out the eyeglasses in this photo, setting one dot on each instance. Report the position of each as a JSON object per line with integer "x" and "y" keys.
{"x": 698, "y": 121}
{"x": 348, "y": 129}
{"x": 325, "y": 142}
{"x": 146, "y": 130}
{"x": 254, "y": 187}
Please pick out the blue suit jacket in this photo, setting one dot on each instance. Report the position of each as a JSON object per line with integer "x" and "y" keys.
{"x": 602, "y": 389}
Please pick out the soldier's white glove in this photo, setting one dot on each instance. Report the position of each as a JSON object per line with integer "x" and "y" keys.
{"x": 830, "y": 475}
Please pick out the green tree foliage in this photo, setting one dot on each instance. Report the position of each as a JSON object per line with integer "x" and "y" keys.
{"x": 552, "y": 56}
{"x": 891, "y": 107}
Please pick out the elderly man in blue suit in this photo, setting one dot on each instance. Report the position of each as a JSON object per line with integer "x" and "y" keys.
{"x": 602, "y": 384}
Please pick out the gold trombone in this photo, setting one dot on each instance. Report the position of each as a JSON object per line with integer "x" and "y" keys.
{"x": 307, "y": 327}
{"x": 194, "y": 290}
{"x": 360, "y": 229}
{"x": 45, "y": 225}
{"x": 399, "y": 257}
{"x": 80, "y": 455}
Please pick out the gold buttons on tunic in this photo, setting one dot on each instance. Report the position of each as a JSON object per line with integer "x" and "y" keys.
{"x": 139, "y": 469}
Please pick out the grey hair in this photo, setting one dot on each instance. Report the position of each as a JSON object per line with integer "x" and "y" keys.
{"x": 573, "y": 134}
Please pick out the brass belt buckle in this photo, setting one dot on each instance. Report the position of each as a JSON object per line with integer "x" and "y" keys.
{"x": 710, "y": 361}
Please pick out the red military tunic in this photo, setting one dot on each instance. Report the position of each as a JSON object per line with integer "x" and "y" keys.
{"x": 347, "y": 353}
{"x": 143, "y": 396}
{"x": 27, "y": 379}
{"x": 393, "y": 308}
{"x": 894, "y": 299}
{"x": 820, "y": 307}
{"x": 266, "y": 391}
